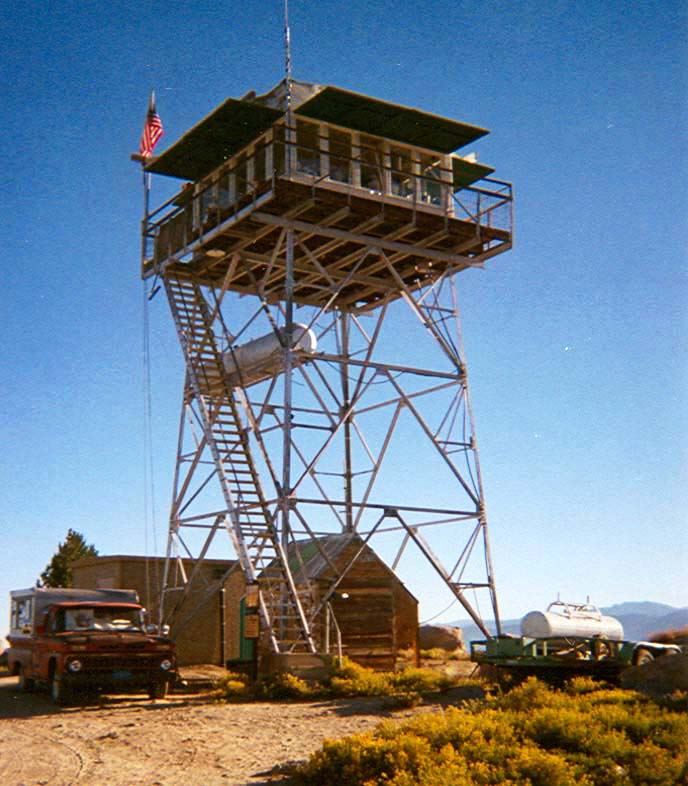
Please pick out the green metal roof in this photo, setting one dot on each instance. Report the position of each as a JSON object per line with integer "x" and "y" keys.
{"x": 467, "y": 172}
{"x": 307, "y": 553}
{"x": 225, "y": 131}
{"x": 236, "y": 123}
{"x": 391, "y": 121}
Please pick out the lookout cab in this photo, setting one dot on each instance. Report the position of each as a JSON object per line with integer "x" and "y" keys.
{"x": 317, "y": 200}
{"x": 349, "y": 169}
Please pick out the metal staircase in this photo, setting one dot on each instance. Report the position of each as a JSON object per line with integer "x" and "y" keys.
{"x": 248, "y": 518}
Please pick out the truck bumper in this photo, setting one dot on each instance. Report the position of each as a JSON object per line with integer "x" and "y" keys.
{"x": 118, "y": 680}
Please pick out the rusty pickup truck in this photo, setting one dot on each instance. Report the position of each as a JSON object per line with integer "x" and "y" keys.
{"x": 75, "y": 640}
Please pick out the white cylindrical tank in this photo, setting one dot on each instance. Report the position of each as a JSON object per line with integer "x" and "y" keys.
{"x": 263, "y": 357}
{"x": 562, "y": 620}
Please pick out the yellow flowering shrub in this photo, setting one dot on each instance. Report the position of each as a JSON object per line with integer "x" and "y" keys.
{"x": 582, "y": 735}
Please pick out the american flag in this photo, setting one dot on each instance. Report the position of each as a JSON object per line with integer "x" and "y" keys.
{"x": 152, "y": 130}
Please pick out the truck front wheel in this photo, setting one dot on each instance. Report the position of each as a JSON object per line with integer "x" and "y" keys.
{"x": 59, "y": 690}
{"x": 158, "y": 690}
{"x": 26, "y": 684}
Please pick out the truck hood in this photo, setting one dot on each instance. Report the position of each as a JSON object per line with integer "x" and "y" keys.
{"x": 95, "y": 639}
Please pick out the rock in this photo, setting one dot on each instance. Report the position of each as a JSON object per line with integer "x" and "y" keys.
{"x": 463, "y": 693}
{"x": 444, "y": 637}
{"x": 660, "y": 677}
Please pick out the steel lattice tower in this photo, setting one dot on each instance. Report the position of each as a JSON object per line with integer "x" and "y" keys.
{"x": 310, "y": 265}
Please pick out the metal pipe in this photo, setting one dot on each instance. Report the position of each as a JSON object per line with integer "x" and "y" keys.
{"x": 223, "y": 654}
{"x": 476, "y": 459}
{"x": 286, "y": 436}
{"x": 329, "y": 612}
{"x": 346, "y": 408}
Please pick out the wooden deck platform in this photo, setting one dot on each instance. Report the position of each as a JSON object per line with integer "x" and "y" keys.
{"x": 351, "y": 250}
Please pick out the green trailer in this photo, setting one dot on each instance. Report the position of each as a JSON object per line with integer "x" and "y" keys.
{"x": 563, "y": 657}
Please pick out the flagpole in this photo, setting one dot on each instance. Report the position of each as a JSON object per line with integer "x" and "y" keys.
{"x": 146, "y": 207}
{"x": 152, "y": 132}
{"x": 146, "y": 175}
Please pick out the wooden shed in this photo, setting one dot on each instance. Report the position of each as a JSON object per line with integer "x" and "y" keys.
{"x": 210, "y": 632}
{"x": 376, "y": 615}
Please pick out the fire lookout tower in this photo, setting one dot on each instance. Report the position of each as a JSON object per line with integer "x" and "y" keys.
{"x": 310, "y": 265}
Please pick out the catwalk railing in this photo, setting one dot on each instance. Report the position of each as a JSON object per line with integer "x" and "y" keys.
{"x": 189, "y": 218}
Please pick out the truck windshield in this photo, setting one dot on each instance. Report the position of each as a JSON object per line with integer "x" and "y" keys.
{"x": 101, "y": 618}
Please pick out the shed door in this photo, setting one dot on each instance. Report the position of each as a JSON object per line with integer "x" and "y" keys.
{"x": 247, "y": 647}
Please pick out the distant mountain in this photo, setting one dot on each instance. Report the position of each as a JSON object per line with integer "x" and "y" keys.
{"x": 644, "y": 608}
{"x": 646, "y": 626}
{"x": 639, "y": 619}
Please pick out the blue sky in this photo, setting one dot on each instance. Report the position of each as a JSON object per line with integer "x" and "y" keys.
{"x": 576, "y": 339}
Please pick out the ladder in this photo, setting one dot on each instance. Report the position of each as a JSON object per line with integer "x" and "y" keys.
{"x": 249, "y": 521}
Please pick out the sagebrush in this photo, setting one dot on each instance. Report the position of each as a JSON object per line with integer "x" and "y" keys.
{"x": 582, "y": 735}
{"x": 346, "y": 681}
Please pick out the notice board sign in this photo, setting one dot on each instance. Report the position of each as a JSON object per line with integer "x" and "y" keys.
{"x": 252, "y": 596}
{"x": 251, "y": 626}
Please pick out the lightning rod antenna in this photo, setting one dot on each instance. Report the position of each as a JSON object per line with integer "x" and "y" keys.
{"x": 287, "y": 52}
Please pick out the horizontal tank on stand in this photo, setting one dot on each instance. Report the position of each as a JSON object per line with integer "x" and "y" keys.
{"x": 565, "y": 620}
{"x": 263, "y": 357}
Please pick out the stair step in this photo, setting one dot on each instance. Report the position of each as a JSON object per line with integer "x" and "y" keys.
{"x": 236, "y": 465}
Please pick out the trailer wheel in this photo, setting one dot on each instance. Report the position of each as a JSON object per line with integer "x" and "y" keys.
{"x": 600, "y": 648}
{"x": 59, "y": 690}
{"x": 26, "y": 684}
{"x": 642, "y": 656}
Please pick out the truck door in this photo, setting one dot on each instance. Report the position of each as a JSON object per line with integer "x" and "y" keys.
{"x": 43, "y": 645}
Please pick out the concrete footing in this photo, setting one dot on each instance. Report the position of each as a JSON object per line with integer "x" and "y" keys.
{"x": 307, "y": 666}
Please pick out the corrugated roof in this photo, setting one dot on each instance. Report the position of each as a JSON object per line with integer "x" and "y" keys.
{"x": 224, "y": 132}
{"x": 391, "y": 121}
{"x": 311, "y": 557}
{"x": 307, "y": 553}
{"x": 237, "y": 122}
{"x": 467, "y": 172}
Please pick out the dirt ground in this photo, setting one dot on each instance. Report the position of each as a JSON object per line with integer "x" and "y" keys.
{"x": 184, "y": 740}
